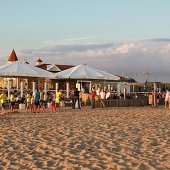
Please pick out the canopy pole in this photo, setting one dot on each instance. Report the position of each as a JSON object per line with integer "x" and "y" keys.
{"x": 17, "y": 83}
{"x": 154, "y": 97}
{"x": 133, "y": 88}
{"x": 124, "y": 90}
{"x": 27, "y": 83}
{"x": 56, "y": 86}
{"x": 108, "y": 87}
{"x": 67, "y": 89}
{"x": 90, "y": 87}
{"x": 118, "y": 89}
{"x": 22, "y": 89}
{"x": 33, "y": 87}
{"x": 4, "y": 83}
{"x": 45, "y": 91}
{"x": 9, "y": 88}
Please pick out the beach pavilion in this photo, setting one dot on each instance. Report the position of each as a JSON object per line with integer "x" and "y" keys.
{"x": 83, "y": 77}
{"x": 21, "y": 71}
{"x": 18, "y": 75}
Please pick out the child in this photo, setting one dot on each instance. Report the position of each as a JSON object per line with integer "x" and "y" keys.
{"x": 28, "y": 101}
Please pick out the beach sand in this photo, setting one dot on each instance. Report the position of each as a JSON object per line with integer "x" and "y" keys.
{"x": 135, "y": 138}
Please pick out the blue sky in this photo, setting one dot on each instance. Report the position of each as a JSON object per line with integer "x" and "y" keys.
{"x": 36, "y": 28}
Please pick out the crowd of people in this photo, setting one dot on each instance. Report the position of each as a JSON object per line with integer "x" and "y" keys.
{"x": 38, "y": 100}
{"x": 33, "y": 101}
{"x": 100, "y": 94}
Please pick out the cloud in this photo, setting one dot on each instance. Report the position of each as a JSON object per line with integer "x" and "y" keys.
{"x": 160, "y": 40}
{"x": 166, "y": 50}
{"x": 132, "y": 58}
{"x": 124, "y": 48}
{"x": 79, "y": 39}
{"x": 74, "y": 40}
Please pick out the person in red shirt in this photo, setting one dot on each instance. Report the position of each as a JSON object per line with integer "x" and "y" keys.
{"x": 93, "y": 95}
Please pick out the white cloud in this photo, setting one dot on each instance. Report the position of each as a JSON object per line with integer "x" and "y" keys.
{"x": 74, "y": 40}
{"x": 124, "y": 48}
{"x": 93, "y": 53}
{"x": 108, "y": 51}
{"x": 165, "y": 53}
{"x": 131, "y": 58}
{"x": 166, "y": 50}
{"x": 79, "y": 39}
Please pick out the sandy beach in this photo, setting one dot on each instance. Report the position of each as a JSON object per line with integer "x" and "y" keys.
{"x": 136, "y": 138}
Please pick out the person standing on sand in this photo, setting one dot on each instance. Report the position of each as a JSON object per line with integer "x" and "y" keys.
{"x": 103, "y": 94}
{"x": 52, "y": 102}
{"x": 42, "y": 102}
{"x": 77, "y": 97}
{"x": 3, "y": 98}
{"x": 93, "y": 95}
{"x": 72, "y": 96}
{"x": 97, "y": 96}
{"x": 157, "y": 97}
{"x": 32, "y": 103}
{"x": 37, "y": 101}
{"x": 102, "y": 97}
{"x": 12, "y": 101}
{"x": 28, "y": 101}
{"x": 57, "y": 99}
{"x": 98, "y": 91}
{"x": 167, "y": 98}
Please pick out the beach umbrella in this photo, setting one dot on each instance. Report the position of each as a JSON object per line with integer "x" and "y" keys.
{"x": 18, "y": 69}
{"x": 84, "y": 72}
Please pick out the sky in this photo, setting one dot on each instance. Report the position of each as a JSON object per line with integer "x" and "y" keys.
{"x": 126, "y": 37}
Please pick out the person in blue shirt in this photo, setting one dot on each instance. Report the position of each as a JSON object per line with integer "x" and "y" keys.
{"x": 37, "y": 101}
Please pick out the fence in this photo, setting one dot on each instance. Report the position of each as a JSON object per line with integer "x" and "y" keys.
{"x": 124, "y": 102}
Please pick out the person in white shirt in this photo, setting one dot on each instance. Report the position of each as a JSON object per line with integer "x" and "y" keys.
{"x": 108, "y": 95}
{"x": 102, "y": 94}
{"x": 167, "y": 96}
{"x": 98, "y": 91}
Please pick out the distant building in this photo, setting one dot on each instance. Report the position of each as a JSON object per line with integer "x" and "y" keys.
{"x": 13, "y": 57}
{"x": 127, "y": 79}
{"x": 54, "y": 68}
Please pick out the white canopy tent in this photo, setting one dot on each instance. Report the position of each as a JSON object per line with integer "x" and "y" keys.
{"x": 85, "y": 72}
{"x": 18, "y": 69}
